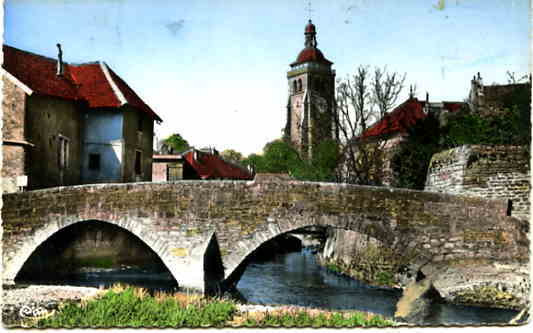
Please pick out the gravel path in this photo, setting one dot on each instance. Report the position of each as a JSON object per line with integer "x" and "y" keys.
{"x": 20, "y": 302}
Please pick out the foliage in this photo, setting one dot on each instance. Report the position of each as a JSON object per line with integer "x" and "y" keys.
{"x": 411, "y": 160}
{"x": 510, "y": 127}
{"x": 130, "y": 308}
{"x": 280, "y": 157}
{"x": 322, "y": 165}
{"x": 302, "y": 318}
{"x": 177, "y": 143}
{"x": 232, "y": 155}
{"x": 254, "y": 160}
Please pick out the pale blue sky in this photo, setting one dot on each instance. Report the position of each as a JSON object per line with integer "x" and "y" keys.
{"x": 215, "y": 70}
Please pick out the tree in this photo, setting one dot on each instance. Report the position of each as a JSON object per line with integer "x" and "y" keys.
{"x": 255, "y": 161}
{"x": 322, "y": 165}
{"x": 280, "y": 157}
{"x": 362, "y": 99}
{"x": 512, "y": 78}
{"x": 232, "y": 155}
{"x": 410, "y": 161}
{"x": 176, "y": 143}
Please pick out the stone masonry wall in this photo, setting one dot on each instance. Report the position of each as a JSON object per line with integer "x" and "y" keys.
{"x": 493, "y": 172}
{"x": 13, "y": 166}
{"x": 13, "y": 106}
{"x": 14, "y": 155}
{"x": 179, "y": 219}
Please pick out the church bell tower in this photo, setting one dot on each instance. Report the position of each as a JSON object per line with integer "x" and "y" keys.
{"x": 310, "y": 106}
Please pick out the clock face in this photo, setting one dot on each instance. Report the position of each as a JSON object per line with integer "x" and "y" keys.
{"x": 321, "y": 104}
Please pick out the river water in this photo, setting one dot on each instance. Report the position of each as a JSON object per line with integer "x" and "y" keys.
{"x": 297, "y": 279}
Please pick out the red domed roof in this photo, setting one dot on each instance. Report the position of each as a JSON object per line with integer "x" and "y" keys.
{"x": 311, "y": 54}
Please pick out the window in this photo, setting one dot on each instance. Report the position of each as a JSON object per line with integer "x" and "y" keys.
{"x": 140, "y": 123}
{"x": 173, "y": 172}
{"x": 63, "y": 152}
{"x": 299, "y": 84}
{"x": 294, "y": 86}
{"x": 94, "y": 162}
{"x": 138, "y": 162}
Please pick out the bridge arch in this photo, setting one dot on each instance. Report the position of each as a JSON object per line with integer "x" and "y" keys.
{"x": 134, "y": 226}
{"x": 236, "y": 262}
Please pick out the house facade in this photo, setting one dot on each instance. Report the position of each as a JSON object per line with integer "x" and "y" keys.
{"x": 71, "y": 124}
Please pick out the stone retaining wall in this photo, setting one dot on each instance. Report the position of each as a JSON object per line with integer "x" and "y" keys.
{"x": 492, "y": 172}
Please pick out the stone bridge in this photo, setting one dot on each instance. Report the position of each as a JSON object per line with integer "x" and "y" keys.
{"x": 203, "y": 231}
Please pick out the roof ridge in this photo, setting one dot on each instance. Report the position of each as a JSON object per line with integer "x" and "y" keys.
{"x": 118, "y": 93}
{"x": 33, "y": 54}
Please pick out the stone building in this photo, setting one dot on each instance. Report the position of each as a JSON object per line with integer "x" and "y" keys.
{"x": 489, "y": 100}
{"x": 69, "y": 124}
{"x": 310, "y": 106}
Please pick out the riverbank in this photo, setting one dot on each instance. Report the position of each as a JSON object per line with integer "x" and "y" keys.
{"x": 467, "y": 283}
{"x": 121, "y": 306}
{"x": 21, "y": 303}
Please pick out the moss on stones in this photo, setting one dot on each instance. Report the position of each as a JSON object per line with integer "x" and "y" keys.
{"x": 488, "y": 296}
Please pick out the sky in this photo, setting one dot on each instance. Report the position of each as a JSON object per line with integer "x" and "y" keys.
{"x": 215, "y": 70}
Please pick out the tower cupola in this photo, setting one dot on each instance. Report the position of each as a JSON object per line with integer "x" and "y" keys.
{"x": 311, "y": 53}
{"x": 310, "y": 35}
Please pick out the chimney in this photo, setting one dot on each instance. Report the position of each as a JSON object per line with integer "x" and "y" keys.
{"x": 59, "y": 60}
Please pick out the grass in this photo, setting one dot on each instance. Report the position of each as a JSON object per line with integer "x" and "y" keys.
{"x": 134, "y": 307}
{"x": 125, "y": 306}
{"x": 314, "y": 318}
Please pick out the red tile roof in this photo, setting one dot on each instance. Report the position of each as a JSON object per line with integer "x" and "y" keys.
{"x": 210, "y": 166}
{"x": 94, "y": 86}
{"x": 311, "y": 54}
{"x": 39, "y": 73}
{"x": 85, "y": 82}
{"x": 399, "y": 120}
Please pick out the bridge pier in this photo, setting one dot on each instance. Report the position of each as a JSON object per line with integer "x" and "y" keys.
{"x": 198, "y": 268}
